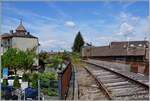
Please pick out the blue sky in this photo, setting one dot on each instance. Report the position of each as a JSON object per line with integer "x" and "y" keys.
{"x": 57, "y": 23}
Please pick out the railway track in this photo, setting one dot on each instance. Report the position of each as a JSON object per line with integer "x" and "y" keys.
{"x": 117, "y": 86}
{"x": 88, "y": 87}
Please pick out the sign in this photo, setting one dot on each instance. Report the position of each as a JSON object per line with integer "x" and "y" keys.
{"x": 5, "y": 73}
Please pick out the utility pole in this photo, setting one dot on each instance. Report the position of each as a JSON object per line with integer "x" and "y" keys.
{"x": 90, "y": 49}
{"x": 127, "y": 47}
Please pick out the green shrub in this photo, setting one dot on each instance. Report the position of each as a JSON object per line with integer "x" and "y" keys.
{"x": 16, "y": 83}
{"x": 49, "y": 83}
{"x": 5, "y": 82}
{"x": 34, "y": 80}
{"x": 50, "y": 92}
{"x": 48, "y": 76}
{"x": 25, "y": 77}
{"x": 34, "y": 84}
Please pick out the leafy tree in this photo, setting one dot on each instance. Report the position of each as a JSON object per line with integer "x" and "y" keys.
{"x": 29, "y": 59}
{"x": 17, "y": 59}
{"x": 43, "y": 55}
{"x": 78, "y": 43}
{"x": 10, "y": 59}
{"x": 66, "y": 55}
{"x": 55, "y": 61}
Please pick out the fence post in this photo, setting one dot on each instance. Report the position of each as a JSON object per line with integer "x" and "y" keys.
{"x": 60, "y": 84}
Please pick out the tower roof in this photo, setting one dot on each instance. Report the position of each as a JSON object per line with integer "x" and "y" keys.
{"x": 20, "y": 28}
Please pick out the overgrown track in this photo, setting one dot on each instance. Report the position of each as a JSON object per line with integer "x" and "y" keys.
{"x": 88, "y": 87}
{"x": 118, "y": 86}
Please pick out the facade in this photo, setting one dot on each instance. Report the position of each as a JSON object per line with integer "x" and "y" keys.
{"x": 129, "y": 51}
{"x": 20, "y": 39}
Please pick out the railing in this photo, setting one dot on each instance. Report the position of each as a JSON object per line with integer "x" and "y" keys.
{"x": 64, "y": 81}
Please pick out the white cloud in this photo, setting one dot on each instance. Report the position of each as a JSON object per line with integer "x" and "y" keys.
{"x": 55, "y": 44}
{"x": 47, "y": 42}
{"x": 70, "y": 24}
{"x": 105, "y": 38}
{"x": 133, "y": 27}
{"x": 126, "y": 29}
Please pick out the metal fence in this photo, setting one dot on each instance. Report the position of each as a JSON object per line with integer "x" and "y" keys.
{"x": 64, "y": 81}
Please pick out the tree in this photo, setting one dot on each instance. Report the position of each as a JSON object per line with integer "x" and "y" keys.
{"x": 78, "y": 43}
{"x": 29, "y": 59}
{"x": 43, "y": 56}
{"x": 17, "y": 59}
{"x": 10, "y": 59}
{"x": 56, "y": 61}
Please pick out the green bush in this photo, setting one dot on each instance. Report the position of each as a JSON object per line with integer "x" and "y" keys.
{"x": 5, "y": 82}
{"x": 50, "y": 92}
{"x": 16, "y": 83}
{"x": 34, "y": 80}
{"x": 46, "y": 77}
{"x": 34, "y": 84}
{"x": 48, "y": 81}
{"x": 25, "y": 77}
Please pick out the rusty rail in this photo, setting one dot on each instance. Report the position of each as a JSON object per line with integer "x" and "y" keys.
{"x": 64, "y": 81}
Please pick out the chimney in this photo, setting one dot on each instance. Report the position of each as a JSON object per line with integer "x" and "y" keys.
{"x": 11, "y": 31}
